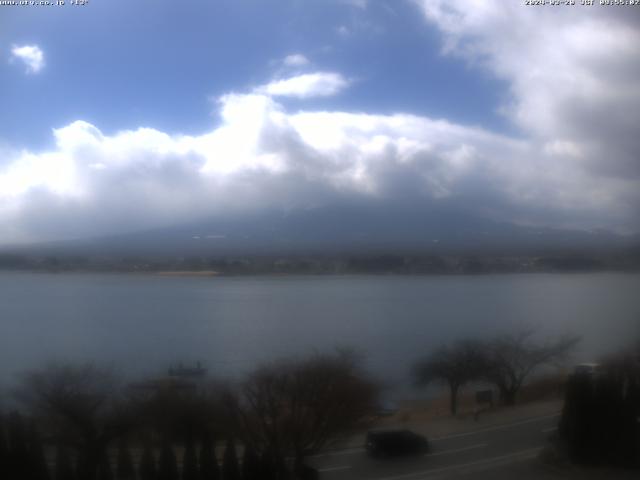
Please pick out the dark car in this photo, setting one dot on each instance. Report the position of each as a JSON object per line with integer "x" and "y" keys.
{"x": 391, "y": 443}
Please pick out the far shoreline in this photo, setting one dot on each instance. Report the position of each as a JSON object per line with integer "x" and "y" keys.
{"x": 215, "y": 273}
{"x": 186, "y": 273}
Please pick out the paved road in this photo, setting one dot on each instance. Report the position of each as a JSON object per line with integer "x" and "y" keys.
{"x": 450, "y": 456}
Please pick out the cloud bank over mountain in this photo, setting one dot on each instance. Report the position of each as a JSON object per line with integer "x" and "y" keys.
{"x": 573, "y": 161}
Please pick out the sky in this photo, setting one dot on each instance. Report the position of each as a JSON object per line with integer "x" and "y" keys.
{"x": 120, "y": 116}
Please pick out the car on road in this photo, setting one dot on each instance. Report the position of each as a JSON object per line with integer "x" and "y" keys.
{"x": 392, "y": 443}
{"x": 588, "y": 369}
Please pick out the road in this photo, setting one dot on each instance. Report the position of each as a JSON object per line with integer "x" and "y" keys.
{"x": 450, "y": 456}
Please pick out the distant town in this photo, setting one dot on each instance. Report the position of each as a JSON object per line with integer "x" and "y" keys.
{"x": 419, "y": 264}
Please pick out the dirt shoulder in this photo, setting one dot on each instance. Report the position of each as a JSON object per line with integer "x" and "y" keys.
{"x": 435, "y": 424}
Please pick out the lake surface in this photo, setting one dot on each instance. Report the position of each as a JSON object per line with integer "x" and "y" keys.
{"x": 143, "y": 323}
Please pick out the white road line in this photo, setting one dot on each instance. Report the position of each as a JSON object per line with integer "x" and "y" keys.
{"x": 347, "y": 451}
{"x": 548, "y": 430}
{"x": 456, "y": 450}
{"x": 521, "y": 455}
{"x": 444, "y": 452}
{"x": 334, "y": 469}
{"x": 351, "y": 451}
{"x": 498, "y": 427}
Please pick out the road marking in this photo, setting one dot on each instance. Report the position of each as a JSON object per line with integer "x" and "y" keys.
{"x": 351, "y": 451}
{"x": 444, "y": 452}
{"x": 334, "y": 469}
{"x": 521, "y": 455}
{"x": 548, "y": 430}
{"x": 346, "y": 451}
{"x": 456, "y": 450}
{"x": 498, "y": 427}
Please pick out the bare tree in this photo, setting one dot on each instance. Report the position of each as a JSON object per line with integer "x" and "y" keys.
{"x": 454, "y": 365}
{"x": 510, "y": 359}
{"x": 80, "y": 405}
{"x": 182, "y": 412}
{"x": 296, "y": 408}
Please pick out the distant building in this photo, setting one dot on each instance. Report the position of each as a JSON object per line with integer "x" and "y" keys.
{"x": 179, "y": 378}
{"x": 196, "y": 373}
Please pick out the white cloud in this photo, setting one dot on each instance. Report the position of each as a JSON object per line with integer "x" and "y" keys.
{"x": 343, "y": 30}
{"x": 563, "y": 148}
{"x": 262, "y": 156}
{"x": 572, "y": 74}
{"x": 295, "y": 60}
{"x": 318, "y": 84}
{"x": 362, "y": 4}
{"x": 31, "y": 55}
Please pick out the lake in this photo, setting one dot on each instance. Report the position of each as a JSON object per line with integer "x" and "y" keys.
{"x": 143, "y": 323}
